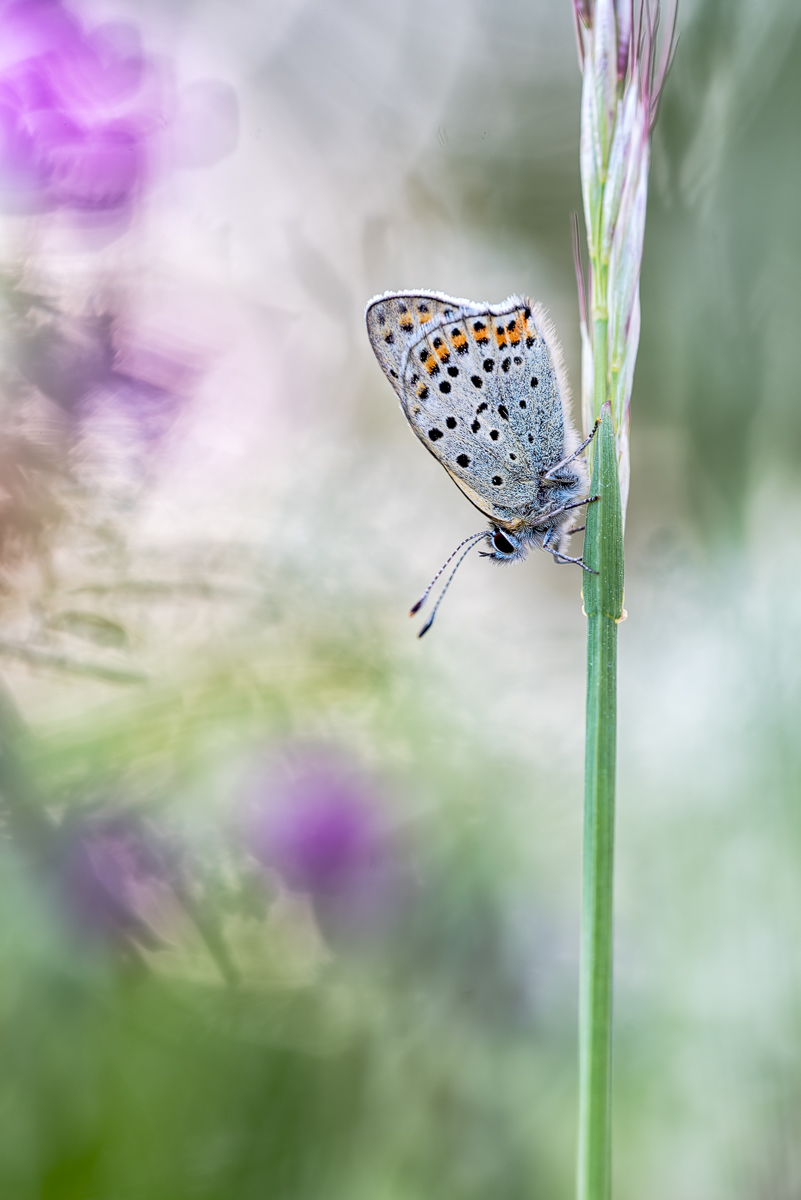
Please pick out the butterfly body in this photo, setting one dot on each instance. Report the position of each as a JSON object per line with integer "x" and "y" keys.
{"x": 484, "y": 389}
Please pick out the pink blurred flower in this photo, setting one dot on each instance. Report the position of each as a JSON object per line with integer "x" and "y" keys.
{"x": 321, "y": 826}
{"x": 91, "y": 398}
{"x": 94, "y": 366}
{"x": 112, "y": 879}
{"x": 82, "y": 111}
{"x": 75, "y": 114}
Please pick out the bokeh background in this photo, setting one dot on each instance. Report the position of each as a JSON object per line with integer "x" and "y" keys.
{"x": 289, "y": 899}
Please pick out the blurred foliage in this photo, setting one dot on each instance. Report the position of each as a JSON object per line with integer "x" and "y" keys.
{"x": 719, "y": 359}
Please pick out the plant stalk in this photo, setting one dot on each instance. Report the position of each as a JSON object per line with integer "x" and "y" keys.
{"x": 603, "y": 604}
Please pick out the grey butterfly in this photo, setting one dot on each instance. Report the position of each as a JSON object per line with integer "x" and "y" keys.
{"x": 484, "y": 388}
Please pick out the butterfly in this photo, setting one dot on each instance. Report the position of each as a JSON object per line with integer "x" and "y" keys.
{"x": 484, "y": 388}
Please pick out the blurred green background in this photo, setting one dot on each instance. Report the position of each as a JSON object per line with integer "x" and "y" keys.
{"x": 289, "y": 900}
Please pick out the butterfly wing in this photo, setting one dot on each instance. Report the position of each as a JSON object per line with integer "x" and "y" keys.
{"x": 397, "y": 321}
{"x": 483, "y": 387}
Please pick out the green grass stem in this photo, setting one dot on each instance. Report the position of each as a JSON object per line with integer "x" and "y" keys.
{"x": 603, "y": 604}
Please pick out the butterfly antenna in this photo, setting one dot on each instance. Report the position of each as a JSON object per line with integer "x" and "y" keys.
{"x": 473, "y": 538}
{"x": 459, "y": 562}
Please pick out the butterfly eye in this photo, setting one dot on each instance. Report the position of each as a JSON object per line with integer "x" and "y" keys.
{"x": 502, "y": 544}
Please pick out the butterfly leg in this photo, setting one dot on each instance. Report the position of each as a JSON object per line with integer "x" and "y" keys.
{"x": 565, "y": 558}
{"x": 559, "y": 557}
{"x": 575, "y": 453}
{"x": 586, "y": 500}
{"x": 566, "y": 507}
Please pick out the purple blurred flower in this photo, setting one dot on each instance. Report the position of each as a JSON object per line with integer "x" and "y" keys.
{"x": 82, "y": 111}
{"x": 91, "y": 399}
{"x": 112, "y": 876}
{"x": 64, "y": 357}
{"x": 77, "y": 108}
{"x": 96, "y": 369}
{"x": 320, "y": 826}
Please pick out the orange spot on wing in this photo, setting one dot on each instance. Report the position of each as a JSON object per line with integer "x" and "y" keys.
{"x": 429, "y": 361}
{"x": 500, "y": 336}
{"x": 524, "y": 322}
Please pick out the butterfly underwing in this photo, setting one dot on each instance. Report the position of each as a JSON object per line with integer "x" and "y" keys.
{"x": 484, "y": 388}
